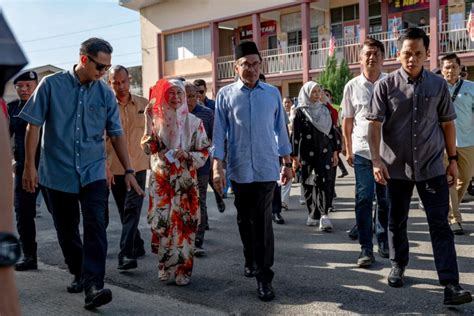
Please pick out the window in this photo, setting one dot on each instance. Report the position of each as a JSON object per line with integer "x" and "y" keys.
{"x": 295, "y": 38}
{"x": 294, "y": 89}
{"x": 188, "y": 44}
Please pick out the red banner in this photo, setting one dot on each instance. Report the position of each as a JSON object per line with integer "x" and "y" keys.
{"x": 266, "y": 28}
{"x": 406, "y": 5}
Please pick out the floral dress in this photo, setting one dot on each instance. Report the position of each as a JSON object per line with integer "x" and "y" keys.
{"x": 173, "y": 209}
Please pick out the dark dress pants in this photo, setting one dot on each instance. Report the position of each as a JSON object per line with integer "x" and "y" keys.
{"x": 203, "y": 181}
{"x": 276, "y": 204}
{"x": 88, "y": 258}
{"x": 25, "y": 211}
{"x": 254, "y": 218}
{"x": 129, "y": 205}
{"x": 434, "y": 195}
{"x": 317, "y": 189}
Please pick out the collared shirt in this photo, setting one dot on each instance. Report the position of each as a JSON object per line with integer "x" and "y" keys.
{"x": 132, "y": 117}
{"x": 356, "y": 104}
{"x": 75, "y": 117}
{"x": 208, "y": 103}
{"x": 254, "y": 123}
{"x": 411, "y": 111}
{"x": 207, "y": 117}
{"x": 464, "y": 107}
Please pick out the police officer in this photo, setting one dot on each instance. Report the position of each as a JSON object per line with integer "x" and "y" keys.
{"x": 24, "y": 202}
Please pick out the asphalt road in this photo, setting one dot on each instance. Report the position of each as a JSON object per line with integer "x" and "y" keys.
{"x": 315, "y": 272}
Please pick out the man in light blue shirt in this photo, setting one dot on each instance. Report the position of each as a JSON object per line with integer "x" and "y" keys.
{"x": 76, "y": 108}
{"x": 462, "y": 95}
{"x": 249, "y": 113}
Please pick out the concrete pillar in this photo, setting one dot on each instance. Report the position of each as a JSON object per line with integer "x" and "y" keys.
{"x": 434, "y": 36}
{"x": 384, "y": 12}
{"x": 214, "y": 27}
{"x": 161, "y": 54}
{"x": 256, "y": 29}
{"x": 306, "y": 38}
{"x": 363, "y": 20}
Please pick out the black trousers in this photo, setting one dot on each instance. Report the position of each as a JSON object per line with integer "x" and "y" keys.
{"x": 317, "y": 189}
{"x": 276, "y": 204}
{"x": 435, "y": 197}
{"x": 86, "y": 259}
{"x": 129, "y": 205}
{"x": 254, "y": 218}
{"x": 25, "y": 211}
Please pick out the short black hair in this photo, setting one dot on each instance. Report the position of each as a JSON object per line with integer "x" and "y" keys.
{"x": 372, "y": 42}
{"x": 117, "y": 68}
{"x": 199, "y": 82}
{"x": 414, "y": 33}
{"x": 451, "y": 56}
{"x": 328, "y": 91}
{"x": 262, "y": 77}
{"x": 94, "y": 45}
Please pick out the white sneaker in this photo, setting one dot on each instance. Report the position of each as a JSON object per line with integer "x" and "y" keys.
{"x": 325, "y": 224}
{"x": 302, "y": 202}
{"x": 312, "y": 222}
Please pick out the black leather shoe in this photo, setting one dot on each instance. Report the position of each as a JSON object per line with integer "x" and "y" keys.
{"x": 353, "y": 233}
{"x": 27, "y": 263}
{"x": 126, "y": 263}
{"x": 249, "y": 272}
{"x": 97, "y": 297}
{"x": 140, "y": 252}
{"x": 454, "y": 294}
{"x": 76, "y": 285}
{"x": 366, "y": 258}
{"x": 265, "y": 291}
{"x": 383, "y": 249}
{"x": 395, "y": 277}
{"x": 277, "y": 218}
{"x": 221, "y": 206}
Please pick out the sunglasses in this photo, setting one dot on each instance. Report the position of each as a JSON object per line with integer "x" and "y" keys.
{"x": 98, "y": 65}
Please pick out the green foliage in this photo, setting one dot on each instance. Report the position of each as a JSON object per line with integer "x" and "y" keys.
{"x": 335, "y": 77}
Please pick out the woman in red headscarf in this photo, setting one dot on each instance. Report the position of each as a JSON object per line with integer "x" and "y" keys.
{"x": 178, "y": 145}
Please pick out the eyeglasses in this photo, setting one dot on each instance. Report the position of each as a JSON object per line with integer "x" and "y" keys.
{"x": 98, "y": 65}
{"x": 246, "y": 65}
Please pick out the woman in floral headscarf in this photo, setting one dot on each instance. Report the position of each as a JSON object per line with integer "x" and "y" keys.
{"x": 314, "y": 143}
{"x": 178, "y": 145}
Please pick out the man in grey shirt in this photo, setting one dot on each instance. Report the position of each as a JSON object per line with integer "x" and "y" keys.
{"x": 412, "y": 122}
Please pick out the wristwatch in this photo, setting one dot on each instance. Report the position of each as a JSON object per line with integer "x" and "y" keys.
{"x": 129, "y": 171}
{"x": 455, "y": 157}
{"x": 10, "y": 250}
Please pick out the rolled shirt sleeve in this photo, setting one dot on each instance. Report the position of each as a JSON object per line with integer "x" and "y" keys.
{"x": 37, "y": 107}
{"x": 445, "y": 108}
{"x": 378, "y": 104}
{"x": 346, "y": 103}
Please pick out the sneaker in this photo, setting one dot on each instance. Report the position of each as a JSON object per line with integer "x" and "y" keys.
{"x": 325, "y": 224}
{"x": 302, "y": 202}
{"x": 366, "y": 258}
{"x": 395, "y": 277}
{"x": 312, "y": 222}
{"x": 199, "y": 252}
{"x": 456, "y": 228}
{"x": 454, "y": 294}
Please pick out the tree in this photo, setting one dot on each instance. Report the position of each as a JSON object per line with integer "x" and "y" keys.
{"x": 335, "y": 78}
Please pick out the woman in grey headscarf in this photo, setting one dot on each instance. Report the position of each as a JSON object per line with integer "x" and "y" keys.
{"x": 314, "y": 143}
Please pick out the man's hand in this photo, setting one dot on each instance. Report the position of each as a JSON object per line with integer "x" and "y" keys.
{"x": 286, "y": 175}
{"x": 452, "y": 173}
{"x": 30, "y": 179}
{"x": 131, "y": 182}
{"x": 218, "y": 178}
{"x": 349, "y": 158}
{"x": 380, "y": 171}
{"x": 109, "y": 177}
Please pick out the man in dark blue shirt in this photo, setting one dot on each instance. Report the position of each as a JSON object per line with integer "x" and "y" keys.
{"x": 201, "y": 90}
{"x": 24, "y": 202}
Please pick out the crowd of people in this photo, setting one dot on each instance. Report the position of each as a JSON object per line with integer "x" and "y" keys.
{"x": 409, "y": 128}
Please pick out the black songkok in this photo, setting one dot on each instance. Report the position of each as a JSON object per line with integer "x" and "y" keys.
{"x": 246, "y": 48}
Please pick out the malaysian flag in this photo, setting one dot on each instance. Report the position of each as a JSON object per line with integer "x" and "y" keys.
{"x": 470, "y": 24}
{"x": 332, "y": 45}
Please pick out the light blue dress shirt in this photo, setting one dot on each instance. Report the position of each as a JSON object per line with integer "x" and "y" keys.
{"x": 75, "y": 117}
{"x": 253, "y": 121}
{"x": 464, "y": 107}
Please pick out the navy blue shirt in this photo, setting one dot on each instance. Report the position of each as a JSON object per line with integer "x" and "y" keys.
{"x": 207, "y": 117}
{"x": 211, "y": 104}
{"x": 76, "y": 118}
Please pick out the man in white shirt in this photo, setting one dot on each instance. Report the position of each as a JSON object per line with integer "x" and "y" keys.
{"x": 355, "y": 104}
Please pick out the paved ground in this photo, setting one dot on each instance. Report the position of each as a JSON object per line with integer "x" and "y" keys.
{"x": 315, "y": 272}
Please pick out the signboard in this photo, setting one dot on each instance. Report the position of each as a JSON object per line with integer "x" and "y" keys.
{"x": 407, "y": 5}
{"x": 266, "y": 28}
